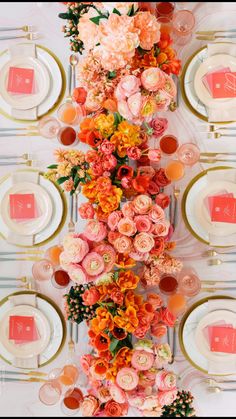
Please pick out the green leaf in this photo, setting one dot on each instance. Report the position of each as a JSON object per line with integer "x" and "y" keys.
{"x": 96, "y": 19}
{"x": 118, "y": 118}
{"x": 131, "y": 11}
{"x": 116, "y": 275}
{"x": 64, "y": 15}
{"x": 53, "y": 166}
{"x": 62, "y": 179}
{"x": 116, "y": 11}
{"x": 111, "y": 74}
{"x": 113, "y": 344}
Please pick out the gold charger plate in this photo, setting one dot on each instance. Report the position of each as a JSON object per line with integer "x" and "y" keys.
{"x": 183, "y": 92}
{"x": 59, "y": 98}
{"x": 56, "y": 308}
{"x": 184, "y": 199}
{"x": 181, "y": 327}
{"x": 64, "y": 211}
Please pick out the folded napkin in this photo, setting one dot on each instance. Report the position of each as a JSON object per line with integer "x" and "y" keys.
{"x": 227, "y": 366}
{"x": 221, "y": 114}
{"x": 17, "y": 177}
{"x": 228, "y": 175}
{"x": 27, "y": 50}
{"x": 24, "y": 299}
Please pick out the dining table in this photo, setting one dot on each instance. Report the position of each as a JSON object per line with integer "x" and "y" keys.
{"x": 21, "y": 399}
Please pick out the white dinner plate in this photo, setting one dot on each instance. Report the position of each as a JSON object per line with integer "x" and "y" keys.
{"x": 57, "y": 328}
{"x": 43, "y": 207}
{"x": 57, "y": 81}
{"x": 228, "y": 317}
{"x": 29, "y": 349}
{"x": 195, "y": 213}
{"x": 209, "y": 65}
{"x": 58, "y": 209}
{"x": 41, "y": 83}
{"x": 188, "y": 332}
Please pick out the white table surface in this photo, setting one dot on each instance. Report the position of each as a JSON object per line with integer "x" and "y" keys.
{"x": 22, "y": 399}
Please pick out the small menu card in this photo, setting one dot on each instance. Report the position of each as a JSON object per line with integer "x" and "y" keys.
{"x": 20, "y": 80}
{"x": 223, "y": 339}
{"x": 223, "y": 85}
{"x": 207, "y": 78}
{"x": 22, "y": 329}
{"x": 223, "y": 209}
{"x": 22, "y": 206}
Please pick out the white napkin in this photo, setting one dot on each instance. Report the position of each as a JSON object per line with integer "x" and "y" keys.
{"x": 228, "y": 175}
{"x": 27, "y": 50}
{"x": 24, "y": 299}
{"x": 221, "y": 114}
{"x": 17, "y": 177}
{"x": 226, "y": 366}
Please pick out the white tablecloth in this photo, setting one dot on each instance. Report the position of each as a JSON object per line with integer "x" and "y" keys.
{"x": 22, "y": 399}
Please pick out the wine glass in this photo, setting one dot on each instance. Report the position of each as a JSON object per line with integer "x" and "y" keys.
{"x": 50, "y": 392}
{"x": 188, "y": 154}
{"x": 48, "y": 127}
{"x": 189, "y": 282}
{"x": 42, "y": 270}
{"x": 174, "y": 170}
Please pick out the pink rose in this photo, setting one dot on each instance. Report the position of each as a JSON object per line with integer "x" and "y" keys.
{"x": 153, "y": 79}
{"x": 139, "y": 257}
{"x": 159, "y": 125}
{"x": 135, "y": 398}
{"x": 127, "y": 378}
{"x": 163, "y": 100}
{"x": 127, "y": 86}
{"x": 165, "y": 398}
{"x": 153, "y": 188}
{"x": 106, "y": 147}
{"x": 162, "y": 200}
{"x": 112, "y": 236}
{"x": 154, "y": 155}
{"x": 161, "y": 229}
{"x": 117, "y": 393}
{"x": 77, "y": 274}
{"x": 134, "y": 153}
{"x": 169, "y": 86}
{"x": 142, "y": 360}
{"x": 143, "y": 242}
{"x": 97, "y": 168}
{"x": 109, "y": 162}
{"x": 142, "y": 204}
{"x": 156, "y": 214}
{"x": 124, "y": 110}
{"x": 91, "y": 296}
{"x": 86, "y": 362}
{"x": 86, "y": 211}
{"x": 77, "y": 249}
{"x": 143, "y": 223}
{"x": 128, "y": 210}
{"x": 160, "y": 178}
{"x": 108, "y": 254}
{"x": 113, "y": 219}
{"x": 135, "y": 103}
{"x": 89, "y": 406}
{"x": 95, "y": 231}
{"x": 93, "y": 264}
{"x": 123, "y": 244}
{"x": 127, "y": 227}
{"x": 65, "y": 260}
{"x": 103, "y": 394}
{"x": 167, "y": 317}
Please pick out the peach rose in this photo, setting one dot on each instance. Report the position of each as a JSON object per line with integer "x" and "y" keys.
{"x": 127, "y": 86}
{"x": 158, "y": 330}
{"x": 65, "y": 260}
{"x": 77, "y": 274}
{"x": 142, "y": 204}
{"x": 95, "y": 231}
{"x": 128, "y": 210}
{"x": 114, "y": 409}
{"x": 158, "y": 125}
{"x": 167, "y": 317}
{"x": 113, "y": 220}
{"x": 154, "y": 155}
{"x": 93, "y": 264}
{"x": 149, "y": 29}
{"x": 134, "y": 103}
{"x": 117, "y": 393}
{"x": 91, "y": 296}
{"x": 139, "y": 257}
{"x": 155, "y": 300}
{"x": 143, "y": 242}
{"x": 103, "y": 394}
{"x": 123, "y": 244}
{"x": 86, "y": 362}
{"x": 156, "y": 214}
{"x": 127, "y": 378}
{"x": 113, "y": 235}
{"x": 143, "y": 223}
{"x": 127, "y": 227}
{"x": 165, "y": 398}
{"x": 161, "y": 229}
{"x": 153, "y": 79}
{"x": 162, "y": 200}
{"x": 89, "y": 406}
{"x": 86, "y": 211}
{"x": 142, "y": 360}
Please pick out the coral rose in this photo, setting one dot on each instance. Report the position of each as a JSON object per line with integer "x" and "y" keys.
{"x": 155, "y": 300}
{"x": 159, "y": 246}
{"x": 161, "y": 229}
{"x": 79, "y": 95}
{"x": 165, "y": 380}
{"x": 95, "y": 231}
{"x": 127, "y": 227}
{"x": 143, "y": 223}
{"x": 158, "y": 330}
{"x": 103, "y": 394}
{"x": 114, "y": 409}
{"x": 86, "y": 211}
{"x": 128, "y": 210}
{"x": 91, "y": 296}
{"x": 113, "y": 220}
{"x": 149, "y": 29}
{"x": 165, "y": 398}
{"x": 117, "y": 393}
{"x": 158, "y": 125}
{"x": 127, "y": 378}
{"x": 162, "y": 200}
{"x": 153, "y": 188}
{"x": 160, "y": 178}
{"x": 153, "y": 79}
{"x": 142, "y": 204}
{"x": 89, "y": 406}
{"x": 142, "y": 360}
{"x": 123, "y": 244}
{"x": 167, "y": 317}
{"x": 143, "y": 242}
{"x": 156, "y": 214}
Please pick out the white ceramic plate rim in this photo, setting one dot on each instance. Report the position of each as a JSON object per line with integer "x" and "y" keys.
{"x": 24, "y": 101}
{"x": 201, "y": 91}
{"x": 32, "y": 226}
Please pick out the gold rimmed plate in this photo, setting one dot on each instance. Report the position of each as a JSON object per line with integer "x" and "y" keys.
{"x": 57, "y": 84}
{"x": 187, "y": 328}
{"x": 57, "y": 327}
{"x": 192, "y": 207}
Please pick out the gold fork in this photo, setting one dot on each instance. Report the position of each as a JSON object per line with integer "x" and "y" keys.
{"x": 211, "y": 161}
{"x": 213, "y": 31}
{"x": 213, "y": 37}
{"x": 176, "y": 196}
{"x": 25, "y": 28}
{"x": 71, "y": 224}
{"x": 212, "y": 128}
{"x": 219, "y": 135}
{"x": 219, "y": 389}
{"x": 22, "y": 279}
{"x": 31, "y": 36}
{"x": 71, "y": 343}
{"x": 211, "y": 252}
{"x": 215, "y": 262}
{"x": 211, "y": 154}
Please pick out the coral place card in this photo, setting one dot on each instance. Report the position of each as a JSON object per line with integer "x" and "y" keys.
{"x": 223, "y": 339}
{"x": 223, "y": 85}
{"x": 20, "y": 80}
{"x": 22, "y": 206}
{"x": 22, "y": 329}
{"x": 223, "y": 209}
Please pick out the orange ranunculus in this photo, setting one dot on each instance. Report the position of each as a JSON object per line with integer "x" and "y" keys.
{"x": 161, "y": 58}
{"x": 110, "y": 202}
{"x": 123, "y": 357}
{"x": 90, "y": 190}
{"x": 110, "y": 105}
{"x": 107, "y": 289}
{"x": 127, "y": 319}
{"x": 101, "y": 215}
{"x": 127, "y": 280}
{"x": 100, "y": 366}
{"x": 102, "y": 341}
{"x": 112, "y": 373}
{"x": 87, "y": 124}
{"x": 134, "y": 300}
{"x": 124, "y": 261}
{"x": 102, "y": 321}
{"x": 130, "y": 131}
{"x": 105, "y": 124}
{"x": 141, "y": 183}
{"x": 124, "y": 171}
{"x": 103, "y": 184}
